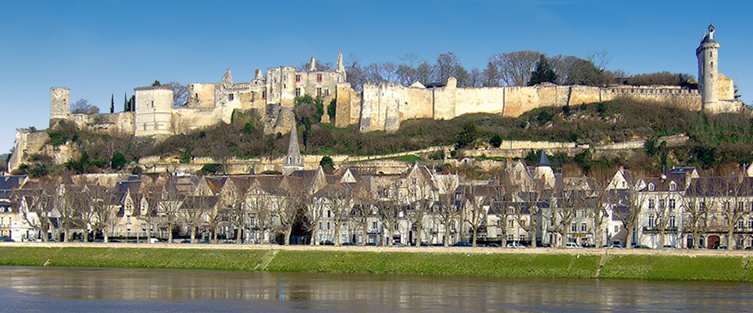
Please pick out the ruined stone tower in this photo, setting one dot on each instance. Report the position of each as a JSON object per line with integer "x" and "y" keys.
{"x": 60, "y": 103}
{"x": 153, "y": 114}
{"x": 708, "y": 70}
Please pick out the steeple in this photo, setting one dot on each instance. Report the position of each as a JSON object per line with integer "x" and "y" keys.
{"x": 293, "y": 160}
{"x": 543, "y": 159}
{"x": 544, "y": 171}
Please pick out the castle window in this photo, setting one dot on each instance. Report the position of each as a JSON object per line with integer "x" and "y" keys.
{"x": 231, "y": 97}
{"x": 298, "y": 92}
{"x": 326, "y": 92}
{"x": 319, "y": 77}
{"x": 318, "y": 92}
{"x": 712, "y": 64}
{"x": 264, "y": 94}
{"x": 297, "y": 78}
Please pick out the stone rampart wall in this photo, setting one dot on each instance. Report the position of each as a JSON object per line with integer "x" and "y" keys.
{"x": 386, "y": 105}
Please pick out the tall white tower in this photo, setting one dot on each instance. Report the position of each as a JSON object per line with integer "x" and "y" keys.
{"x": 708, "y": 70}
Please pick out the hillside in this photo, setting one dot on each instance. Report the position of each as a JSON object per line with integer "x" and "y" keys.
{"x": 715, "y": 139}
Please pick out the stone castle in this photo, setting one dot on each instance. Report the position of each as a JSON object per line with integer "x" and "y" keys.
{"x": 379, "y": 107}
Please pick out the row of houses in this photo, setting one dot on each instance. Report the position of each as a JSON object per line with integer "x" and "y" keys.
{"x": 527, "y": 205}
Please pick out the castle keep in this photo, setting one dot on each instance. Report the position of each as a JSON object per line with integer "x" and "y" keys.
{"x": 379, "y": 107}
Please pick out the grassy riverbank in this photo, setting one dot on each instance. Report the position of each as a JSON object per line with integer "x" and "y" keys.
{"x": 560, "y": 265}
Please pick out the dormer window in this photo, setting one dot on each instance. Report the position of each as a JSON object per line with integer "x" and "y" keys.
{"x": 672, "y": 186}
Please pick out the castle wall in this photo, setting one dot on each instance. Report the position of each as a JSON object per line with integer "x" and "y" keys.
{"x": 725, "y": 89}
{"x": 27, "y": 142}
{"x": 106, "y": 123}
{"x": 444, "y": 100}
{"x": 417, "y": 103}
{"x": 185, "y": 120}
{"x": 201, "y": 95}
{"x": 480, "y": 100}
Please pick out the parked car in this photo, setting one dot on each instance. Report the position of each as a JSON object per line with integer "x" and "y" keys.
{"x": 572, "y": 245}
{"x": 462, "y": 244}
{"x": 515, "y": 244}
{"x": 641, "y": 247}
{"x": 492, "y": 245}
{"x": 669, "y": 247}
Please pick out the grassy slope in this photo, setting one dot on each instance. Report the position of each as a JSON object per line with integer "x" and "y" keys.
{"x": 647, "y": 267}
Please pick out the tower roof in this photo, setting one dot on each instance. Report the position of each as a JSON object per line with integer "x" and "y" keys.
{"x": 543, "y": 159}
{"x": 709, "y": 38}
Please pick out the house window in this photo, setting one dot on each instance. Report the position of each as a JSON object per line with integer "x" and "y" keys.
{"x": 583, "y": 214}
{"x": 374, "y": 225}
{"x": 510, "y": 238}
{"x": 329, "y": 214}
{"x": 297, "y": 78}
{"x": 231, "y": 97}
{"x": 750, "y": 223}
{"x": 671, "y": 221}
{"x": 511, "y": 223}
{"x": 616, "y": 228}
{"x": 651, "y": 203}
{"x": 327, "y": 225}
{"x": 671, "y": 204}
{"x": 318, "y": 92}
{"x": 651, "y": 187}
{"x": 320, "y": 225}
{"x": 583, "y": 227}
{"x": 651, "y": 220}
{"x": 326, "y": 92}
{"x": 740, "y": 224}
{"x": 284, "y": 86}
{"x": 662, "y": 204}
{"x": 573, "y": 227}
{"x": 298, "y": 92}
{"x": 740, "y": 206}
{"x": 319, "y": 77}
{"x": 672, "y": 186}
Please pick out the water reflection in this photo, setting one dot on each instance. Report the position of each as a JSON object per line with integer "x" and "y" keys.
{"x": 160, "y": 290}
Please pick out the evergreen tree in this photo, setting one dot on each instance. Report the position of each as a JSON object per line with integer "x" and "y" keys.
{"x": 112, "y": 103}
{"x": 125, "y": 102}
{"x": 543, "y": 73}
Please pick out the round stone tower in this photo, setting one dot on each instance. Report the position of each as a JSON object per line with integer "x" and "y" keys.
{"x": 708, "y": 70}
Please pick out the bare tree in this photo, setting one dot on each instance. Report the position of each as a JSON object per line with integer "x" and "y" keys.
{"x": 421, "y": 200}
{"x": 734, "y": 192}
{"x": 339, "y": 199}
{"x": 67, "y": 204}
{"x": 288, "y": 203}
{"x": 82, "y": 106}
{"x": 476, "y": 198}
{"x": 261, "y": 211}
{"x": 448, "y": 209}
{"x": 180, "y": 93}
{"x": 626, "y": 205}
{"x": 515, "y": 67}
{"x": 37, "y": 206}
{"x": 697, "y": 208}
{"x": 105, "y": 213}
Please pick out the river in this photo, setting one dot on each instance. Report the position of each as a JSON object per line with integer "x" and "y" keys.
{"x": 122, "y": 290}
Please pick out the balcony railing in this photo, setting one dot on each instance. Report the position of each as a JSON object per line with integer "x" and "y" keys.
{"x": 649, "y": 229}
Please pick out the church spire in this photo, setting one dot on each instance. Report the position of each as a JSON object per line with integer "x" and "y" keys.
{"x": 293, "y": 160}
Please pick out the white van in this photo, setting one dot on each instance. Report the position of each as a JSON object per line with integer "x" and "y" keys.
{"x": 573, "y": 245}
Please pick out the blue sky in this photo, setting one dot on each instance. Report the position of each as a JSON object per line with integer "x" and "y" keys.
{"x": 102, "y": 47}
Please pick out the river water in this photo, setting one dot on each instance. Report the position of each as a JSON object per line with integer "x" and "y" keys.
{"x": 125, "y": 290}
